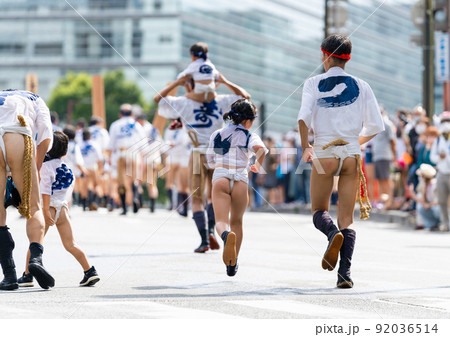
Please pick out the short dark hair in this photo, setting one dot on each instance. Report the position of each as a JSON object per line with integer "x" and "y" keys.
{"x": 86, "y": 134}
{"x": 95, "y": 120}
{"x": 59, "y": 147}
{"x": 241, "y": 110}
{"x": 81, "y": 122}
{"x": 70, "y": 131}
{"x": 337, "y": 44}
{"x": 199, "y": 49}
{"x": 54, "y": 117}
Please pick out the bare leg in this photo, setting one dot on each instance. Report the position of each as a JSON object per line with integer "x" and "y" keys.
{"x": 347, "y": 189}
{"x": 239, "y": 201}
{"x": 66, "y": 234}
{"x": 35, "y": 225}
{"x": 221, "y": 199}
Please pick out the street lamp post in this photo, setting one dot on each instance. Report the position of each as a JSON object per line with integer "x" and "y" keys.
{"x": 428, "y": 60}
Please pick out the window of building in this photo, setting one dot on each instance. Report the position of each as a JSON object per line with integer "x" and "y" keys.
{"x": 157, "y": 5}
{"x": 105, "y": 4}
{"x": 165, "y": 38}
{"x": 91, "y": 45}
{"x": 12, "y": 48}
{"x": 136, "y": 43}
{"x": 50, "y": 49}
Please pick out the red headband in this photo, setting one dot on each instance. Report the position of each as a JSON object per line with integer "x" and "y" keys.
{"x": 342, "y": 56}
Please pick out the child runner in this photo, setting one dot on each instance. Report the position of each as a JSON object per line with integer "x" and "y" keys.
{"x": 177, "y": 163}
{"x": 202, "y": 72}
{"x": 229, "y": 151}
{"x": 56, "y": 187}
{"x": 93, "y": 161}
{"x": 200, "y": 120}
{"x": 74, "y": 160}
{"x": 344, "y": 114}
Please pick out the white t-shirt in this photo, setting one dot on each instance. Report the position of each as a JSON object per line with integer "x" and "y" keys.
{"x": 338, "y": 105}
{"x": 203, "y": 118}
{"x": 91, "y": 153}
{"x": 100, "y": 136}
{"x": 74, "y": 157}
{"x": 441, "y": 145}
{"x": 200, "y": 70}
{"x": 57, "y": 180}
{"x": 34, "y": 110}
{"x": 179, "y": 143}
{"x": 124, "y": 133}
{"x": 232, "y": 146}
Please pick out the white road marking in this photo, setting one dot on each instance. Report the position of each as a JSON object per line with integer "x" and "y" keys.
{"x": 307, "y": 309}
{"x": 147, "y": 309}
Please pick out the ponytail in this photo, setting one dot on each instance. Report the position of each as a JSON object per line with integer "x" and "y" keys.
{"x": 240, "y": 111}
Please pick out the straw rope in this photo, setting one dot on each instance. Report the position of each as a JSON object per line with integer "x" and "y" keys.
{"x": 363, "y": 200}
{"x": 197, "y": 164}
{"x": 24, "y": 206}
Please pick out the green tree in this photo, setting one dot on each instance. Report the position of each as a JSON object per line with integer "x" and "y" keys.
{"x": 74, "y": 90}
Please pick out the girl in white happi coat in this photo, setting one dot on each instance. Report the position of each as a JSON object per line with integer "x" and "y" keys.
{"x": 229, "y": 151}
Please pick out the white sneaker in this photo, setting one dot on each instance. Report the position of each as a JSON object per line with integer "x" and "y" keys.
{"x": 443, "y": 228}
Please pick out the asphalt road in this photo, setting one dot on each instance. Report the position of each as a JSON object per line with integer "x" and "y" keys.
{"x": 148, "y": 270}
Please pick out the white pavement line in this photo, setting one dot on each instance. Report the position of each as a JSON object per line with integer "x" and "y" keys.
{"x": 147, "y": 309}
{"x": 104, "y": 282}
{"x": 306, "y": 309}
{"x": 352, "y": 289}
{"x": 434, "y": 304}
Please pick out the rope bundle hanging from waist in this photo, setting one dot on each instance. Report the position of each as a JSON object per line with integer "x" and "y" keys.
{"x": 24, "y": 206}
{"x": 363, "y": 200}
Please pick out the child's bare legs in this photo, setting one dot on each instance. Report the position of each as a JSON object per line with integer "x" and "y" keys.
{"x": 229, "y": 212}
{"x": 239, "y": 201}
{"x": 65, "y": 232}
{"x": 221, "y": 200}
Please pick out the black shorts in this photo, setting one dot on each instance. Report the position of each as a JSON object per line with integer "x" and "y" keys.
{"x": 382, "y": 169}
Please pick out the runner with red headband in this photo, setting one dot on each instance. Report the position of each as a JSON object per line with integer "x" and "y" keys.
{"x": 343, "y": 112}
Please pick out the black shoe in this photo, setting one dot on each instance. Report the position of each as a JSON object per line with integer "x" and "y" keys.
{"x": 204, "y": 246}
{"x": 232, "y": 270}
{"x": 344, "y": 282}
{"x": 332, "y": 253}
{"x": 135, "y": 207}
{"x": 183, "y": 213}
{"x": 36, "y": 267}
{"x": 26, "y": 280}
{"x": 90, "y": 278}
{"x": 41, "y": 275}
{"x": 9, "y": 281}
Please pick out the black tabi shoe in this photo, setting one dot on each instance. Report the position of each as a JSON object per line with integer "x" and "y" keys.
{"x": 9, "y": 281}
{"x": 229, "y": 249}
{"x": 331, "y": 255}
{"x": 232, "y": 270}
{"x": 344, "y": 282}
{"x": 36, "y": 268}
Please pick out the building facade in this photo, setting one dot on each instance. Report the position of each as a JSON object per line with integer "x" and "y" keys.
{"x": 269, "y": 47}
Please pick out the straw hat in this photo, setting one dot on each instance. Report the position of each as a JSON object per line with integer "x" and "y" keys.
{"x": 445, "y": 116}
{"x": 426, "y": 171}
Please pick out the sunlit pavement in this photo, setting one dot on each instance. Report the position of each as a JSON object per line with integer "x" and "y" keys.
{"x": 148, "y": 270}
